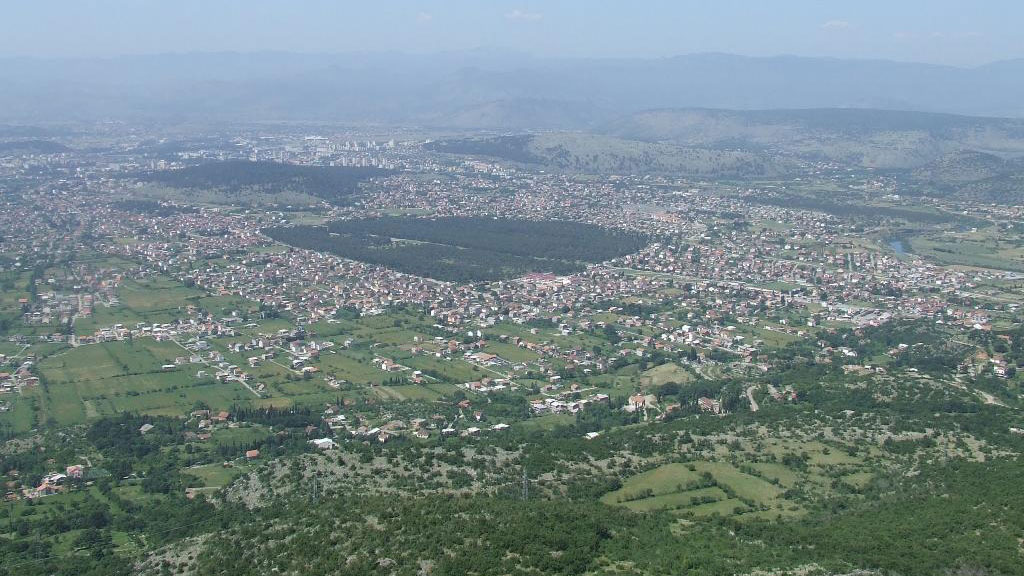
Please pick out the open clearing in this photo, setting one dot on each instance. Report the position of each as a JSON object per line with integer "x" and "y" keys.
{"x": 700, "y": 488}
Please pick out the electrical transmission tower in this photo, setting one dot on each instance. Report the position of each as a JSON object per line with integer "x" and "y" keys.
{"x": 526, "y": 485}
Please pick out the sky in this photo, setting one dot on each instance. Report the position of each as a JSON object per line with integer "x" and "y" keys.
{"x": 959, "y": 33}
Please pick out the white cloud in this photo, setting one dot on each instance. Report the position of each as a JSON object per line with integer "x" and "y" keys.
{"x": 424, "y": 16}
{"x": 523, "y": 16}
{"x": 836, "y": 25}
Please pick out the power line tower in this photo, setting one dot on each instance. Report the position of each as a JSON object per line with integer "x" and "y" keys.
{"x": 526, "y": 485}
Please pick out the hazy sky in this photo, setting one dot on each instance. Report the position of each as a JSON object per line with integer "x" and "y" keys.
{"x": 941, "y": 31}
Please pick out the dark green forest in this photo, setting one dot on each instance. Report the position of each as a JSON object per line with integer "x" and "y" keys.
{"x": 465, "y": 249}
{"x": 514, "y": 148}
{"x": 16, "y": 147}
{"x": 331, "y": 183}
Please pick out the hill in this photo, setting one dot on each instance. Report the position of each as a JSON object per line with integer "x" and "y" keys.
{"x": 599, "y": 154}
{"x": 868, "y": 138}
{"x": 971, "y": 175}
{"x": 965, "y": 166}
{"x": 523, "y": 114}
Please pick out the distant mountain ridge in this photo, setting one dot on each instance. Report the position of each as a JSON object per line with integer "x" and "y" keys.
{"x": 868, "y": 138}
{"x": 575, "y": 152}
{"x": 482, "y": 89}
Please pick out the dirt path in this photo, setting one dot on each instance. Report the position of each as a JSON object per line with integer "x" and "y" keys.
{"x": 990, "y": 399}
{"x": 750, "y": 396}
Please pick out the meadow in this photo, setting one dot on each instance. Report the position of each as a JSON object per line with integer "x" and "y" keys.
{"x": 983, "y": 248}
{"x": 746, "y": 479}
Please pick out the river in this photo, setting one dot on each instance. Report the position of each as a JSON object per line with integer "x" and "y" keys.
{"x": 897, "y": 246}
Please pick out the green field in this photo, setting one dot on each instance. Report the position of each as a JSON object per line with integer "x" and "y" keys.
{"x": 102, "y": 379}
{"x": 215, "y": 475}
{"x": 660, "y": 375}
{"x": 985, "y": 248}
{"x": 680, "y": 488}
{"x": 156, "y": 299}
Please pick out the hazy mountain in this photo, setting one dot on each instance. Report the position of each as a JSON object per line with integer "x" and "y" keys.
{"x": 870, "y": 138}
{"x": 970, "y": 175}
{"x": 524, "y": 114}
{"x": 482, "y": 88}
{"x": 966, "y": 166}
{"x": 576, "y": 152}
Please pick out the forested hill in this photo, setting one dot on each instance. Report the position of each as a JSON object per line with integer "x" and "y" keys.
{"x": 942, "y": 520}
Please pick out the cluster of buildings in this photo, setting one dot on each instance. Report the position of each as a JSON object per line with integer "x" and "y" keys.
{"x": 53, "y": 483}
{"x": 724, "y": 272}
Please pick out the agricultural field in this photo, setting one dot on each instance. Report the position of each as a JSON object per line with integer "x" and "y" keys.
{"x": 982, "y": 248}
{"x": 14, "y": 290}
{"x": 700, "y": 489}
{"x": 79, "y": 384}
{"x": 749, "y": 479}
{"x": 152, "y": 300}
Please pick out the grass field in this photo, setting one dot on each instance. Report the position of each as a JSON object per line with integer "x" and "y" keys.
{"x": 676, "y": 500}
{"x": 157, "y": 299}
{"x": 985, "y": 248}
{"x": 786, "y": 477}
{"x": 680, "y": 488}
{"x": 544, "y": 334}
{"x": 216, "y": 475}
{"x": 102, "y": 379}
{"x": 660, "y": 375}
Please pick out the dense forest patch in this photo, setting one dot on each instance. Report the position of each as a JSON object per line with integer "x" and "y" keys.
{"x": 951, "y": 519}
{"x": 465, "y": 249}
{"x": 513, "y": 148}
{"x": 152, "y": 208}
{"x": 17, "y": 147}
{"x": 330, "y": 183}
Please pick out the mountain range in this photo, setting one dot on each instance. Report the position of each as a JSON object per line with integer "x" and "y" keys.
{"x": 482, "y": 89}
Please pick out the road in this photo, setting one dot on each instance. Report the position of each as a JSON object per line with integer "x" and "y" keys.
{"x": 750, "y": 396}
